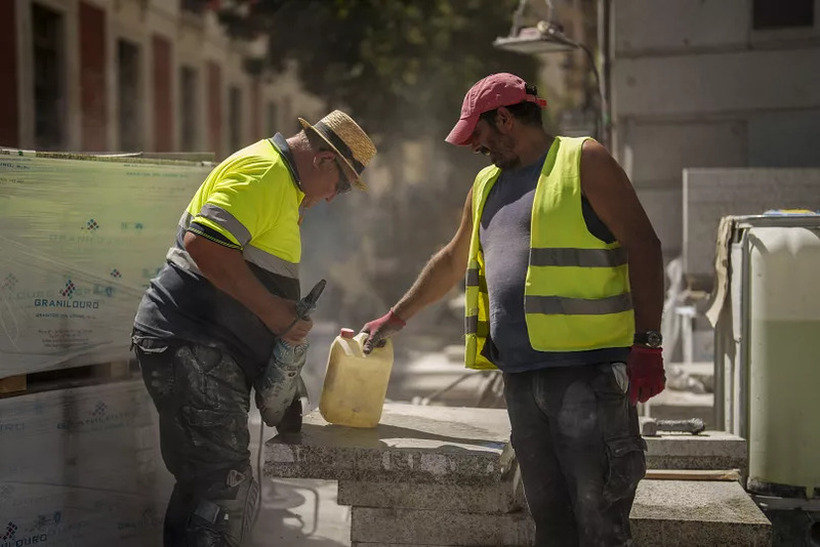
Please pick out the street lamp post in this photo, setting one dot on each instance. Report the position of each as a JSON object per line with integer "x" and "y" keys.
{"x": 548, "y": 37}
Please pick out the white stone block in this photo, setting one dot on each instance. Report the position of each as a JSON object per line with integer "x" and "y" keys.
{"x": 710, "y": 194}
{"x": 662, "y": 205}
{"x": 716, "y": 83}
{"x": 642, "y": 26}
{"x": 655, "y": 153}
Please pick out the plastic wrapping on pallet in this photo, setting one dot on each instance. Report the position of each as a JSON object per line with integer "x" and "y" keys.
{"x": 79, "y": 240}
{"x": 82, "y": 466}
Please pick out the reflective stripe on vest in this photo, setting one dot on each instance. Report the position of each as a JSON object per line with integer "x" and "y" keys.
{"x": 477, "y": 318}
{"x": 585, "y": 258}
{"x": 552, "y": 305}
{"x": 577, "y": 289}
{"x": 265, "y": 260}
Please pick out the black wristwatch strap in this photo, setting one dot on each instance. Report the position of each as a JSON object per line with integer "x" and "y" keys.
{"x": 648, "y": 338}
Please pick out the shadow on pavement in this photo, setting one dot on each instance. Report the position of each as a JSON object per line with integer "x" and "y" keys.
{"x": 300, "y": 514}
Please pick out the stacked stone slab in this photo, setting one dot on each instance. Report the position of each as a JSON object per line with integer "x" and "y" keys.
{"x": 666, "y": 513}
{"x": 707, "y": 450}
{"x": 444, "y": 476}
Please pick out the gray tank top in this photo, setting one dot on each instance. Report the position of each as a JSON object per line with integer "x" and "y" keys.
{"x": 504, "y": 235}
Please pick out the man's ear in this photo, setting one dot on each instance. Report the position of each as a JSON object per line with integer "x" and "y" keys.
{"x": 322, "y": 158}
{"x": 504, "y": 119}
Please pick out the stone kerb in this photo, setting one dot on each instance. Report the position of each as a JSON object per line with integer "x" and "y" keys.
{"x": 411, "y": 444}
{"x": 680, "y": 513}
{"x": 452, "y": 445}
{"x": 446, "y": 476}
{"x": 496, "y": 497}
{"x": 707, "y": 450}
{"x": 666, "y": 513}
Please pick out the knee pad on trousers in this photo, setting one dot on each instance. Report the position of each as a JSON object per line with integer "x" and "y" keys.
{"x": 227, "y": 521}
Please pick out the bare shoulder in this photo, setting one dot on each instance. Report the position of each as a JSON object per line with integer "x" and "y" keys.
{"x": 596, "y": 160}
{"x": 593, "y": 149}
{"x": 612, "y": 196}
{"x": 600, "y": 172}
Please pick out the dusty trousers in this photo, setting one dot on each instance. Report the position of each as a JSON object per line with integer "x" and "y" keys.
{"x": 202, "y": 396}
{"x": 577, "y": 441}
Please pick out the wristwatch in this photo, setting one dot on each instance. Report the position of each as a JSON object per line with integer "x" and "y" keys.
{"x": 648, "y": 338}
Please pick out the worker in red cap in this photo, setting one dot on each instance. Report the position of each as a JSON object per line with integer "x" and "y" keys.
{"x": 564, "y": 292}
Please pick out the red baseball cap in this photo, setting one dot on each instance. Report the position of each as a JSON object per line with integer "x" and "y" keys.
{"x": 502, "y": 89}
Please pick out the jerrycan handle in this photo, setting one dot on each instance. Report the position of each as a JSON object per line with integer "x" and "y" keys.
{"x": 352, "y": 343}
{"x": 358, "y": 345}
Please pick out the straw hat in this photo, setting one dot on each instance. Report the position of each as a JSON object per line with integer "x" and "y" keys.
{"x": 347, "y": 139}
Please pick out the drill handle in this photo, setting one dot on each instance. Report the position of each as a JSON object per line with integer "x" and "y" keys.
{"x": 307, "y": 304}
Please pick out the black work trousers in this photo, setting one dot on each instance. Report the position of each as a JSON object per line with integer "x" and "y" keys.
{"x": 578, "y": 444}
{"x": 202, "y": 396}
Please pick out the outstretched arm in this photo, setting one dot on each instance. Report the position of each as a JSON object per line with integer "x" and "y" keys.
{"x": 442, "y": 271}
{"x": 439, "y": 275}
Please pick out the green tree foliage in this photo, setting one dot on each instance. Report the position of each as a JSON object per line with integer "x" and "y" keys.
{"x": 401, "y": 66}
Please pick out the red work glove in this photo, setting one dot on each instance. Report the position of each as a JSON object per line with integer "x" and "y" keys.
{"x": 381, "y": 329}
{"x": 644, "y": 366}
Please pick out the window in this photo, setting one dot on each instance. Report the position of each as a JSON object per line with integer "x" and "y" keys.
{"x": 235, "y": 117}
{"x": 49, "y": 78}
{"x": 194, "y": 6}
{"x": 774, "y": 14}
{"x": 189, "y": 101}
{"x": 128, "y": 90}
{"x": 272, "y": 119}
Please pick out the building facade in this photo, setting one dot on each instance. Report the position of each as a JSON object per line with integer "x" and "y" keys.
{"x": 136, "y": 75}
{"x": 711, "y": 83}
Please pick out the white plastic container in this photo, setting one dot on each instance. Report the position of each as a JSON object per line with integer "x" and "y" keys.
{"x": 784, "y": 437}
{"x": 355, "y": 384}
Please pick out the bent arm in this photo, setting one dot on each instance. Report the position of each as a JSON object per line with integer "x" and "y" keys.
{"x": 612, "y": 197}
{"x": 442, "y": 271}
{"x": 227, "y": 270}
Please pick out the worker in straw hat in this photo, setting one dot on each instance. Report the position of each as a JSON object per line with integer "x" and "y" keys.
{"x": 227, "y": 294}
{"x": 564, "y": 293}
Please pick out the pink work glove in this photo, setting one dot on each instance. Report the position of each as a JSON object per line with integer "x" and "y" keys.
{"x": 644, "y": 366}
{"x": 381, "y": 329}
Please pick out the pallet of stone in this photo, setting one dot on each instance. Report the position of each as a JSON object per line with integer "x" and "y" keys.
{"x": 82, "y": 466}
{"x": 77, "y": 376}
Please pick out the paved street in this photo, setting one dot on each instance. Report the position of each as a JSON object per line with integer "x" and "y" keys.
{"x": 297, "y": 512}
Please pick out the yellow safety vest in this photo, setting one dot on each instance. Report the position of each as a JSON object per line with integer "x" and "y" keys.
{"x": 577, "y": 293}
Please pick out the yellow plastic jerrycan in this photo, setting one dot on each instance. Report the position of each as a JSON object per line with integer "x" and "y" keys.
{"x": 355, "y": 383}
